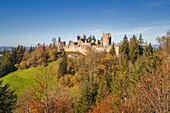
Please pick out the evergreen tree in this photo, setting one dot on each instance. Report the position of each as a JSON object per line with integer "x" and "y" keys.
{"x": 24, "y": 48}
{"x": 102, "y": 91}
{"x": 117, "y": 86}
{"x": 34, "y": 48}
{"x": 7, "y": 63}
{"x": 88, "y": 93}
{"x": 31, "y": 49}
{"x": 105, "y": 86}
{"x": 90, "y": 38}
{"x": 124, "y": 47}
{"x": 59, "y": 39}
{"x": 63, "y": 65}
{"x": 8, "y": 99}
{"x": 94, "y": 38}
{"x": 145, "y": 53}
{"x": 150, "y": 48}
{"x": 84, "y": 37}
{"x": 140, "y": 40}
{"x": 54, "y": 42}
{"x": 133, "y": 49}
{"x": 112, "y": 50}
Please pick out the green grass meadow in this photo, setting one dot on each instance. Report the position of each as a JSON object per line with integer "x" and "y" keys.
{"x": 0, "y": 56}
{"x": 22, "y": 80}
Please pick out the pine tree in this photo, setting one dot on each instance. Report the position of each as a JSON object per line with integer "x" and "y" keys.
{"x": 88, "y": 93}
{"x": 145, "y": 52}
{"x": 63, "y": 65}
{"x": 133, "y": 49}
{"x": 150, "y": 48}
{"x": 102, "y": 91}
{"x": 84, "y": 37}
{"x": 90, "y": 38}
{"x": 54, "y": 42}
{"x": 112, "y": 50}
{"x": 94, "y": 38}
{"x": 59, "y": 39}
{"x": 31, "y": 49}
{"x": 124, "y": 48}
{"x": 7, "y": 62}
{"x": 8, "y": 99}
{"x": 140, "y": 40}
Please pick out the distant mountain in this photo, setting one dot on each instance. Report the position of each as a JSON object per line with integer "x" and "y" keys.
{"x": 156, "y": 46}
{"x": 9, "y": 48}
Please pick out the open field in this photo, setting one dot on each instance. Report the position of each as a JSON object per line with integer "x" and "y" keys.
{"x": 23, "y": 79}
{"x": 0, "y": 56}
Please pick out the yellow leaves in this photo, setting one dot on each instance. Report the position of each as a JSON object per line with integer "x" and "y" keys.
{"x": 101, "y": 66}
{"x": 23, "y": 65}
{"x": 68, "y": 80}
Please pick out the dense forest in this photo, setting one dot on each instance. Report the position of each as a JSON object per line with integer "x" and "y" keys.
{"x": 137, "y": 80}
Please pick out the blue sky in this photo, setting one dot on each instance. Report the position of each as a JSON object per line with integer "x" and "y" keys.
{"x": 29, "y": 22}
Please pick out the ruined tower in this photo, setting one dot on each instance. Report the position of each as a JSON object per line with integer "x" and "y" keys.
{"x": 106, "y": 39}
{"x": 61, "y": 46}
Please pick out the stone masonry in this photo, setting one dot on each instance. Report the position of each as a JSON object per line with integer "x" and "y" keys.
{"x": 81, "y": 45}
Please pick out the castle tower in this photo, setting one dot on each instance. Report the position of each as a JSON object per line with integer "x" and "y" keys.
{"x": 61, "y": 46}
{"x": 106, "y": 39}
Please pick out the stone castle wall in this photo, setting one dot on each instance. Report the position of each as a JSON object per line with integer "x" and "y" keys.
{"x": 82, "y": 44}
{"x": 84, "y": 50}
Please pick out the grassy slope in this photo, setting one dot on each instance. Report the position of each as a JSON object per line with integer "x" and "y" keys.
{"x": 23, "y": 79}
{"x": 0, "y": 56}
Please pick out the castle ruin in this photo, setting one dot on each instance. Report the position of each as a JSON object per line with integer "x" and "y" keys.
{"x": 82, "y": 44}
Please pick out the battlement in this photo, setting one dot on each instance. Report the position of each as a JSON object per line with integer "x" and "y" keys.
{"x": 82, "y": 44}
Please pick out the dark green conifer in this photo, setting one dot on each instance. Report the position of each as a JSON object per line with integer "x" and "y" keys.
{"x": 124, "y": 48}
{"x": 140, "y": 40}
{"x": 90, "y": 38}
{"x": 59, "y": 39}
{"x": 150, "y": 48}
{"x": 133, "y": 49}
{"x": 8, "y": 99}
{"x": 84, "y": 37}
{"x": 94, "y": 38}
{"x": 112, "y": 50}
{"x": 88, "y": 93}
{"x": 63, "y": 65}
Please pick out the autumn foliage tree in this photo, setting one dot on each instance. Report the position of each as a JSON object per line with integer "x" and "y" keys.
{"x": 46, "y": 95}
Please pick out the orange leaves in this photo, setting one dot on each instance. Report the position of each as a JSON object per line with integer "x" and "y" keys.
{"x": 107, "y": 105}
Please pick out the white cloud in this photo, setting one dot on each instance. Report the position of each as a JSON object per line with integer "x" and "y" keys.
{"x": 158, "y": 3}
{"x": 149, "y": 33}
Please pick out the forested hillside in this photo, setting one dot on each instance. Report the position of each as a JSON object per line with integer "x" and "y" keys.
{"x": 135, "y": 81}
